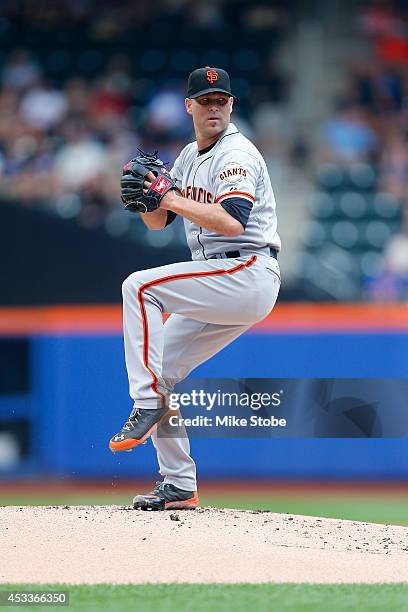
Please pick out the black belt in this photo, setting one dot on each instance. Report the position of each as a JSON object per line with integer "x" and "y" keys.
{"x": 234, "y": 254}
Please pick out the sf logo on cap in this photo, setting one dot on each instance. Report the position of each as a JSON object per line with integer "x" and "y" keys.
{"x": 212, "y": 76}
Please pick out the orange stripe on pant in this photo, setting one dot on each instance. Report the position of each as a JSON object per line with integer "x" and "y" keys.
{"x": 167, "y": 279}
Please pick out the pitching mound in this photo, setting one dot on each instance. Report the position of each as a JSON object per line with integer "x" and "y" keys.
{"x": 113, "y": 544}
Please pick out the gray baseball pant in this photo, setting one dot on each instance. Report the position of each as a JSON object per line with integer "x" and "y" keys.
{"x": 211, "y": 303}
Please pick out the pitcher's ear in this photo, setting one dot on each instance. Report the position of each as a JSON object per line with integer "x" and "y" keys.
{"x": 188, "y": 103}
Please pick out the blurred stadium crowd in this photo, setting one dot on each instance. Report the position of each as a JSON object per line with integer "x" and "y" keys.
{"x": 356, "y": 246}
{"x": 90, "y": 81}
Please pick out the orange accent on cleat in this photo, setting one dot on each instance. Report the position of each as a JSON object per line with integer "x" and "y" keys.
{"x": 124, "y": 445}
{"x": 185, "y": 504}
{"x": 131, "y": 443}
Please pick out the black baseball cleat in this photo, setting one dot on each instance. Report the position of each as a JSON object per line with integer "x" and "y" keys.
{"x": 166, "y": 496}
{"x": 137, "y": 429}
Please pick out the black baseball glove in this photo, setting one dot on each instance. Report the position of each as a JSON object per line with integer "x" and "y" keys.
{"x": 135, "y": 174}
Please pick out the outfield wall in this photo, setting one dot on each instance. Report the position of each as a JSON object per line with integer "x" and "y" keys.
{"x": 64, "y": 392}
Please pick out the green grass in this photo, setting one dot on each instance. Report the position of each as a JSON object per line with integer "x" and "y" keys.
{"x": 370, "y": 507}
{"x": 228, "y": 597}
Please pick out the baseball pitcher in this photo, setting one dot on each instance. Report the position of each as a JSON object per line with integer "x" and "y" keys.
{"x": 219, "y": 184}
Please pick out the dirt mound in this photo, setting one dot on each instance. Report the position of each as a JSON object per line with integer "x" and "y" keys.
{"x": 116, "y": 544}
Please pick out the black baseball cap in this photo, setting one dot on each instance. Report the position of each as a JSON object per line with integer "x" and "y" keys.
{"x": 206, "y": 80}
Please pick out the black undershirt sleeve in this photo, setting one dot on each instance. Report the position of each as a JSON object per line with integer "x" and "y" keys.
{"x": 239, "y": 208}
{"x": 170, "y": 217}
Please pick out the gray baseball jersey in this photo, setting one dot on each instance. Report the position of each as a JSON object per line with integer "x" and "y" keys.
{"x": 233, "y": 173}
{"x": 211, "y": 300}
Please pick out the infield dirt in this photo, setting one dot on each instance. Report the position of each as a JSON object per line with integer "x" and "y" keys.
{"x": 116, "y": 544}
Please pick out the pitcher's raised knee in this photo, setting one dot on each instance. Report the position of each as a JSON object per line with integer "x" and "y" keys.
{"x": 132, "y": 283}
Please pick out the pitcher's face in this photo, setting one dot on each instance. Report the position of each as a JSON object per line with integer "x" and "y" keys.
{"x": 211, "y": 113}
